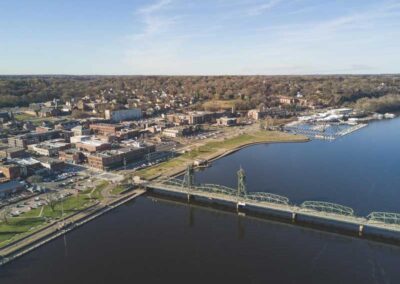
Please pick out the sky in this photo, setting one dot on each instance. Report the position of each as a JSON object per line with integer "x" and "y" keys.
{"x": 199, "y": 37}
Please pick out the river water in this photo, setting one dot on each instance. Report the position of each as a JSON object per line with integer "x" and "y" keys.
{"x": 151, "y": 240}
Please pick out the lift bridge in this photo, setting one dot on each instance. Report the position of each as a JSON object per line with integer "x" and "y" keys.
{"x": 276, "y": 205}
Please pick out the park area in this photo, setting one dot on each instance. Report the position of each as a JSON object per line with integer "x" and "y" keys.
{"x": 53, "y": 210}
{"x": 213, "y": 149}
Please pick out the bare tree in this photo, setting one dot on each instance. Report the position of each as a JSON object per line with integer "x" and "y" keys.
{"x": 52, "y": 200}
{"x": 4, "y": 214}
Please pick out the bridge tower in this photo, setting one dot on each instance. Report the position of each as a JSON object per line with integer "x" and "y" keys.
{"x": 188, "y": 180}
{"x": 241, "y": 189}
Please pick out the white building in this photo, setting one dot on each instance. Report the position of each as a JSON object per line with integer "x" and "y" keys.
{"x": 124, "y": 114}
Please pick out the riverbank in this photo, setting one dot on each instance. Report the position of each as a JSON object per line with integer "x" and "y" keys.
{"x": 55, "y": 230}
{"x": 213, "y": 150}
{"x": 210, "y": 151}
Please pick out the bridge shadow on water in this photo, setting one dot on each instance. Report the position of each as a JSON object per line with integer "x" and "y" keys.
{"x": 269, "y": 220}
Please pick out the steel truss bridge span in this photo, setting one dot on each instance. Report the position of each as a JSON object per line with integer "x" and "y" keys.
{"x": 328, "y": 207}
{"x": 320, "y": 211}
{"x": 221, "y": 189}
{"x": 384, "y": 217}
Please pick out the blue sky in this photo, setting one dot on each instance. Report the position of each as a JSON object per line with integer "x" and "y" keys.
{"x": 180, "y": 37}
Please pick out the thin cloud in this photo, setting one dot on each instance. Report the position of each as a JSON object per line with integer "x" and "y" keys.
{"x": 154, "y": 22}
{"x": 176, "y": 39}
{"x": 154, "y": 7}
{"x": 259, "y": 9}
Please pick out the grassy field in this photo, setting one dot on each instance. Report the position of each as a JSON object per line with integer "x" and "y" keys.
{"x": 34, "y": 119}
{"x": 24, "y": 117}
{"x": 219, "y": 104}
{"x": 17, "y": 226}
{"x": 118, "y": 189}
{"x": 36, "y": 218}
{"x": 96, "y": 193}
{"x": 215, "y": 148}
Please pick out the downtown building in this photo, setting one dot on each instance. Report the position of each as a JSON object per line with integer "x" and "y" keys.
{"x": 109, "y": 159}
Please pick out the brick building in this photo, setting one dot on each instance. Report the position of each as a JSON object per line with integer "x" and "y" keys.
{"x": 114, "y": 158}
{"x": 92, "y": 146}
{"x": 12, "y": 153}
{"x": 13, "y": 171}
{"x": 23, "y": 140}
{"x": 71, "y": 156}
{"x": 105, "y": 128}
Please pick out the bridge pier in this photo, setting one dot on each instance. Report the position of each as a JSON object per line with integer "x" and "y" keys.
{"x": 293, "y": 217}
{"x": 239, "y": 204}
{"x": 360, "y": 230}
{"x": 189, "y": 197}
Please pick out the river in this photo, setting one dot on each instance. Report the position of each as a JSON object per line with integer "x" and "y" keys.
{"x": 152, "y": 241}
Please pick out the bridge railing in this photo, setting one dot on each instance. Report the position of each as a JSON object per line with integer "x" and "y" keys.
{"x": 385, "y": 217}
{"x": 328, "y": 207}
{"x": 215, "y": 188}
{"x": 173, "y": 182}
{"x": 267, "y": 197}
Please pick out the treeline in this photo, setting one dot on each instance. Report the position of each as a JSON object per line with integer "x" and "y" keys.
{"x": 387, "y": 103}
{"x": 329, "y": 90}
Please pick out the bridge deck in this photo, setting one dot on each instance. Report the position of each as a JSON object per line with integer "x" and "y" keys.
{"x": 283, "y": 208}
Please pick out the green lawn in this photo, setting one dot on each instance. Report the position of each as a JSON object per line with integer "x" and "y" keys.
{"x": 118, "y": 189}
{"x": 96, "y": 193}
{"x": 24, "y": 117}
{"x": 214, "y": 146}
{"x": 34, "y": 213}
{"x": 18, "y": 226}
{"x": 70, "y": 205}
{"x": 34, "y": 119}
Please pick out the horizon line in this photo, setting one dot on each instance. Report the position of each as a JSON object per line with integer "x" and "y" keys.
{"x": 198, "y": 75}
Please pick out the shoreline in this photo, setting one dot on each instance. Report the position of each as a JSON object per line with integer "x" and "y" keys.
{"x": 30, "y": 242}
{"x": 94, "y": 211}
{"x": 217, "y": 156}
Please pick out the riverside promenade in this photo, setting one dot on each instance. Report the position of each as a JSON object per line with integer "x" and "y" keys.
{"x": 57, "y": 229}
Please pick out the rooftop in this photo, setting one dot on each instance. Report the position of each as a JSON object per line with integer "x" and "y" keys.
{"x": 26, "y": 161}
{"x": 10, "y": 185}
{"x": 93, "y": 142}
{"x": 115, "y": 152}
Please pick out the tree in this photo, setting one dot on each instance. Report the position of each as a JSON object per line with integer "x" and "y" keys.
{"x": 4, "y": 214}
{"x": 52, "y": 200}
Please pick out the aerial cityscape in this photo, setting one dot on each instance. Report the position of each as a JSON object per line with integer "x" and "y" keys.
{"x": 242, "y": 141}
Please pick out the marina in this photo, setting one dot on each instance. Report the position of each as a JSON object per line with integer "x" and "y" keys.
{"x": 326, "y": 131}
